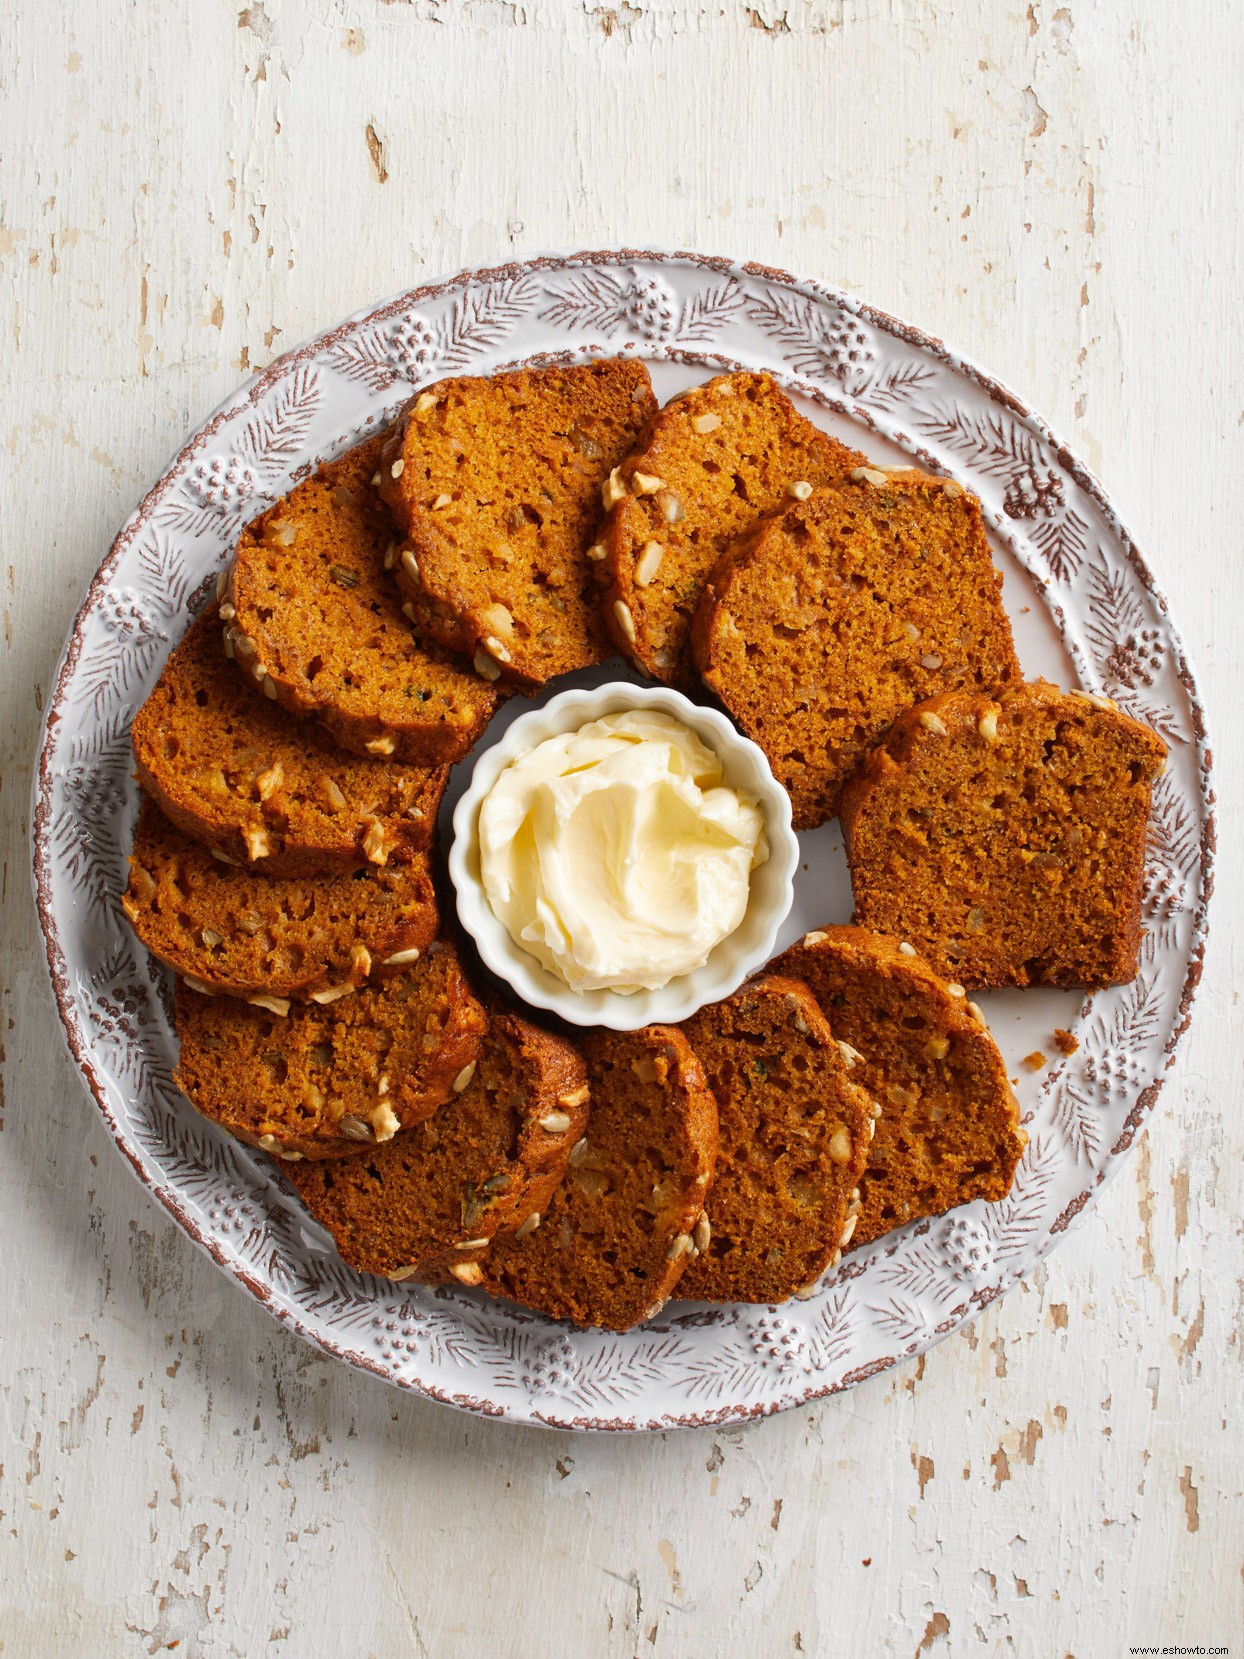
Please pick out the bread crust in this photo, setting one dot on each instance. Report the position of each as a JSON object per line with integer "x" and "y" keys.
{"x": 239, "y": 932}
{"x": 1004, "y": 836}
{"x": 310, "y": 589}
{"x": 232, "y": 770}
{"x": 496, "y": 483}
{"x": 720, "y": 481}
{"x": 836, "y": 616}
{"x": 617, "y": 1234}
{"x": 426, "y": 1205}
{"x": 949, "y": 1128}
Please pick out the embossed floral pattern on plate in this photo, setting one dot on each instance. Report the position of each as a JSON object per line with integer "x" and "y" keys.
{"x": 898, "y": 389}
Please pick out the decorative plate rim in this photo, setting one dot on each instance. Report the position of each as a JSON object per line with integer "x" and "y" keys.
{"x": 248, "y": 396}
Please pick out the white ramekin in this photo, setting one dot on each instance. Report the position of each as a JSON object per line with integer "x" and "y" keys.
{"x": 736, "y": 956}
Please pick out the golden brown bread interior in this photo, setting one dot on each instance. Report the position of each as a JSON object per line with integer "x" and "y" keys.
{"x": 238, "y": 931}
{"x": 837, "y": 616}
{"x": 426, "y": 1205}
{"x": 793, "y": 1141}
{"x": 329, "y": 1079}
{"x": 315, "y": 617}
{"x": 234, "y": 771}
{"x": 1004, "y": 837}
{"x": 949, "y": 1126}
{"x": 496, "y": 482}
{"x": 715, "y": 460}
{"x": 619, "y": 1231}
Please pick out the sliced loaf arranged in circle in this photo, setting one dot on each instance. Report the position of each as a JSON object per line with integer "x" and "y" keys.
{"x": 331, "y": 1077}
{"x": 230, "y": 768}
{"x": 239, "y": 932}
{"x": 843, "y": 612}
{"x": 497, "y": 483}
{"x": 949, "y": 1126}
{"x": 716, "y": 460}
{"x": 620, "y": 1230}
{"x": 427, "y": 1204}
{"x": 315, "y": 619}
{"x": 1005, "y": 837}
{"x": 793, "y": 1140}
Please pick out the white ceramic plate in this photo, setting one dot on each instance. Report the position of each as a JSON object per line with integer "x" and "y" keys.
{"x": 1084, "y": 608}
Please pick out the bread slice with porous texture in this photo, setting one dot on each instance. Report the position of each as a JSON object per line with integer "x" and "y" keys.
{"x": 620, "y": 1231}
{"x": 238, "y": 932}
{"x": 497, "y": 483}
{"x": 837, "y": 616}
{"x": 1004, "y": 837}
{"x": 949, "y": 1125}
{"x": 315, "y": 616}
{"x": 427, "y": 1204}
{"x": 330, "y": 1078}
{"x": 234, "y": 771}
{"x": 793, "y": 1140}
{"x": 715, "y": 461}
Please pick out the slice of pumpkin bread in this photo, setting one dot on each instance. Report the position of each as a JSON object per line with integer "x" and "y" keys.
{"x": 239, "y": 932}
{"x": 426, "y": 1205}
{"x": 234, "y": 771}
{"x": 829, "y": 622}
{"x": 1005, "y": 837}
{"x": 328, "y": 1079}
{"x": 716, "y": 460}
{"x": 314, "y": 616}
{"x": 497, "y": 484}
{"x": 619, "y": 1232}
{"x": 949, "y": 1125}
{"x": 793, "y": 1141}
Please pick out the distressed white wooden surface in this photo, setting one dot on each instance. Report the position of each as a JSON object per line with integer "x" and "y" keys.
{"x": 188, "y": 188}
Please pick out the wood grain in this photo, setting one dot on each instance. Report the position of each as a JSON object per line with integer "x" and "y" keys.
{"x": 189, "y": 189}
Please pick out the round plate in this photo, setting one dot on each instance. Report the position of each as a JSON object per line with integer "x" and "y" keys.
{"x": 1084, "y": 609}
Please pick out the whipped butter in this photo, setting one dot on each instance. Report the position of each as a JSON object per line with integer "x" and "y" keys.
{"x": 617, "y": 855}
